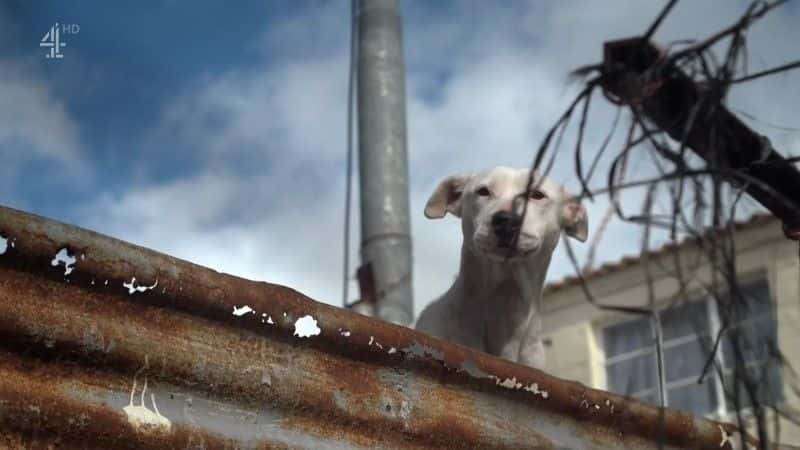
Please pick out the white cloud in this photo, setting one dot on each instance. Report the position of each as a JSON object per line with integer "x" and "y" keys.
{"x": 36, "y": 128}
{"x": 482, "y": 92}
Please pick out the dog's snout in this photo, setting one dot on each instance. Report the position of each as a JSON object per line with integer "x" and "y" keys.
{"x": 505, "y": 225}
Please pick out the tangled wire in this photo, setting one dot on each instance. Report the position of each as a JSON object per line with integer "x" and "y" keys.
{"x": 675, "y": 97}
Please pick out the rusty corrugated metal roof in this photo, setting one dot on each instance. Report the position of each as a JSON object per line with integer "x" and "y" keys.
{"x": 109, "y": 345}
{"x": 630, "y": 260}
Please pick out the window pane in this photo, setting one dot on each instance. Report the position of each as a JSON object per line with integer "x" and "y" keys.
{"x": 685, "y": 360}
{"x": 755, "y": 338}
{"x": 695, "y": 398}
{"x": 684, "y": 319}
{"x": 765, "y": 379}
{"x": 756, "y": 301}
{"x": 627, "y": 336}
{"x": 754, "y": 332}
{"x": 632, "y": 375}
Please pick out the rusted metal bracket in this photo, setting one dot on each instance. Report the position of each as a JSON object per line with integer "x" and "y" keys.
{"x": 367, "y": 304}
{"x": 639, "y": 74}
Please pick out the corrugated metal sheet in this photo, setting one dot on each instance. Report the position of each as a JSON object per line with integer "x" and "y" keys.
{"x": 104, "y": 344}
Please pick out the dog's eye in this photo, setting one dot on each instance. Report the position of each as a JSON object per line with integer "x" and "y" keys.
{"x": 537, "y": 194}
{"x": 483, "y": 192}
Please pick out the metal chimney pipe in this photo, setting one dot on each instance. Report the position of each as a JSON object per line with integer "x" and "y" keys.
{"x": 383, "y": 162}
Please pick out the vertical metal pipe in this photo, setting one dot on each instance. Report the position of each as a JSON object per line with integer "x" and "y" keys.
{"x": 383, "y": 162}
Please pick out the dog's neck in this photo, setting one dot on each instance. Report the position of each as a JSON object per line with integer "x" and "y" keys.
{"x": 503, "y": 286}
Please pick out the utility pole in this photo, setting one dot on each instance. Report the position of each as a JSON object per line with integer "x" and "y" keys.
{"x": 383, "y": 161}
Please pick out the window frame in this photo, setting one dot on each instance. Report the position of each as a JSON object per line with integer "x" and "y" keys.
{"x": 721, "y": 410}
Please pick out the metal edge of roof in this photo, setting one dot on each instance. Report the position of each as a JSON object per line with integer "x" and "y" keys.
{"x": 112, "y": 345}
{"x": 629, "y": 260}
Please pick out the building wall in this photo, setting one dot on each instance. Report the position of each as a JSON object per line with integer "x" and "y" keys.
{"x": 573, "y": 327}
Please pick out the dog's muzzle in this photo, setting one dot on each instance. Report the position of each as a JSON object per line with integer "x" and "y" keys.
{"x": 505, "y": 226}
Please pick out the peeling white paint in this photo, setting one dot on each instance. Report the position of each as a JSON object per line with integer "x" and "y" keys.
{"x": 3, "y": 245}
{"x": 63, "y": 256}
{"x": 132, "y": 287}
{"x": 266, "y": 318}
{"x": 392, "y": 350}
{"x": 534, "y": 388}
{"x": 726, "y": 438}
{"x": 306, "y": 326}
{"x": 734, "y": 440}
{"x": 510, "y": 383}
{"x": 141, "y": 417}
{"x": 345, "y": 333}
{"x": 239, "y": 312}
{"x": 106, "y": 283}
{"x": 373, "y": 341}
{"x": 420, "y": 351}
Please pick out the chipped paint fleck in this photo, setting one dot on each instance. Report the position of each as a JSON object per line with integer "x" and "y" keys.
{"x": 266, "y": 318}
{"x": 510, "y": 383}
{"x": 306, "y": 326}
{"x": 392, "y": 350}
{"x": 534, "y": 388}
{"x": 373, "y": 341}
{"x": 64, "y": 257}
{"x": 726, "y": 438}
{"x": 3, "y": 245}
{"x": 421, "y": 351}
{"x": 345, "y": 333}
{"x": 132, "y": 287}
{"x": 238, "y": 312}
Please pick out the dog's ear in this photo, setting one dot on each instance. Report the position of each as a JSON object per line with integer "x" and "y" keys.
{"x": 575, "y": 220}
{"x": 446, "y": 198}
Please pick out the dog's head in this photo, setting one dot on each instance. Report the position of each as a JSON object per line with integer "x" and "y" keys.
{"x": 485, "y": 204}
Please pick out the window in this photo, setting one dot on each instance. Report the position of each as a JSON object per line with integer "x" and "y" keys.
{"x": 688, "y": 332}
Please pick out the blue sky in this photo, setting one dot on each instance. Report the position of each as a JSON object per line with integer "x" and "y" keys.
{"x": 216, "y": 133}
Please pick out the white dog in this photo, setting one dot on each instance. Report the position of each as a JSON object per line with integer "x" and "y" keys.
{"x": 492, "y": 306}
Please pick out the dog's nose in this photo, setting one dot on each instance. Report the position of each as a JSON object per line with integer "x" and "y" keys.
{"x": 505, "y": 225}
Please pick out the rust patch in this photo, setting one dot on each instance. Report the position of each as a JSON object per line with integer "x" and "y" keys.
{"x": 325, "y": 388}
